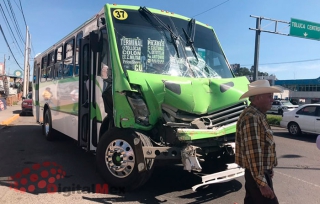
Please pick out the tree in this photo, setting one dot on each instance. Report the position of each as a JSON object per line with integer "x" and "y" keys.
{"x": 243, "y": 71}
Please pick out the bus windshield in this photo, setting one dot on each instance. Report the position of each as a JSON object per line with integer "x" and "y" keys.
{"x": 161, "y": 45}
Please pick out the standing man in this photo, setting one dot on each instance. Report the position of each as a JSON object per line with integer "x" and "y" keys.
{"x": 19, "y": 90}
{"x": 255, "y": 147}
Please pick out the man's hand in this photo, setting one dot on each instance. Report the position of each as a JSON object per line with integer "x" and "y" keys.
{"x": 266, "y": 191}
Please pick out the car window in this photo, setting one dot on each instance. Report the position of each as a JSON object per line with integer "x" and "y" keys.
{"x": 308, "y": 110}
{"x": 286, "y": 103}
{"x": 318, "y": 111}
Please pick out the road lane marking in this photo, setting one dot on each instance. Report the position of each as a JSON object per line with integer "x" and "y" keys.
{"x": 298, "y": 179}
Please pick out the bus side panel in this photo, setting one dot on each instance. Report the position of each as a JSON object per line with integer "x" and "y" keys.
{"x": 64, "y": 106}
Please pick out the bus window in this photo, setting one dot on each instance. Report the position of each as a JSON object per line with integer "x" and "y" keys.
{"x": 50, "y": 68}
{"x": 44, "y": 69}
{"x": 58, "y": 63}
{"x": 79, "y": 36}
{"x": 68, "y": 61}
{"x": 104, "y": 54}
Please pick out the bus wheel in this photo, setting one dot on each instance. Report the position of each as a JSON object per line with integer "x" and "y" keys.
{"x": 117, "y": 162}
{"x": 47, "y": 125}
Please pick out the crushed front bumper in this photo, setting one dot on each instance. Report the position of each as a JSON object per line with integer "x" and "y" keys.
{"x": 184, "y": 134}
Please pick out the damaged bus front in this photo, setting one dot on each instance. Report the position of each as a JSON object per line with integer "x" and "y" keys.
{"x": 174, "y": 96}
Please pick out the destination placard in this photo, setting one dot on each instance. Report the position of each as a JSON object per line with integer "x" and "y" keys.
{"x": 155, "y": 51}
{"x": 131, "y": 50}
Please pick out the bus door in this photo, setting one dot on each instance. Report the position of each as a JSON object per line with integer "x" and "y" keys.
{"x": 35, "y": 92}
{"x": 87, "y": 123}
{"x": 84, "y": 94}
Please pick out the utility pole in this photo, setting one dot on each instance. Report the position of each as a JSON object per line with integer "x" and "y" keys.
{"x": 5, "y": 81}
{"x": 29, "y": 67}
{"x": 26, "y": 67}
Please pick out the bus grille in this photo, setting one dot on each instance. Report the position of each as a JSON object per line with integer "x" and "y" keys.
{"x": 222, "y": 117}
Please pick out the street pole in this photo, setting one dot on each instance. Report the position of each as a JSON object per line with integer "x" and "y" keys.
{"x": 26, "y": 60}
{"x": 256, "y": 49}
{"x": 257, "y": 40}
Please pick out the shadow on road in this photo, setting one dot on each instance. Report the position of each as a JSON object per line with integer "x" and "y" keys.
{"x": 16, "y": 111}
{"x": 38, "y": 166}
{"x": 281, "y": 132}
{"x": 290, "y": 156}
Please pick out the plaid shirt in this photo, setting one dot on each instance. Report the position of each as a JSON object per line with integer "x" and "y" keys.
{"x": 255, "y": 147}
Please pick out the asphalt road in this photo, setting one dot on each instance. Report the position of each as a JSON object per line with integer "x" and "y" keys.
{"x": 27, "y": 159}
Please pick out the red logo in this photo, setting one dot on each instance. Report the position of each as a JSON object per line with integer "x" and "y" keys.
{"x": 44, "y": 178}
{"x": 39, "y": 176}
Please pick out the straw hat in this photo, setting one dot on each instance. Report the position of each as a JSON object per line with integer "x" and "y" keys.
{"x": 260, "y": 87}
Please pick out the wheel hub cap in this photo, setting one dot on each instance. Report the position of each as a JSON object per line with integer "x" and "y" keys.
{"x": 120, "y": 158}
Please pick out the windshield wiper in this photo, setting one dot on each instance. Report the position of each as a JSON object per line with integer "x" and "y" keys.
{"x": 190, "y": 36}
{"x": 173, "y": 36}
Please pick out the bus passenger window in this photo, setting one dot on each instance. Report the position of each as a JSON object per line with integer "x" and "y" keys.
{"x": 68, "y": 61}
{"x": 58, "y": 63}
{"x": 44, "y": 69}
{"x": 79, "y": 36}
{"x": 50, "y": 72}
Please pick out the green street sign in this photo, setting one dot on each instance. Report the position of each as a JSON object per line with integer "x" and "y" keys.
{"x": 304, "y": 29}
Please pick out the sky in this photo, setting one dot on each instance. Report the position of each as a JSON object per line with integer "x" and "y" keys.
{"x": 286, "y": 57}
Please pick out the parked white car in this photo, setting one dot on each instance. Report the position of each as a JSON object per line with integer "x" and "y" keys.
{"x": 306, "y": 119}
{"x": 282, "y": 106}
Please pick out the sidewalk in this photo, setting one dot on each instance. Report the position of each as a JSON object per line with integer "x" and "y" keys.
{"x": 10, "y": 114}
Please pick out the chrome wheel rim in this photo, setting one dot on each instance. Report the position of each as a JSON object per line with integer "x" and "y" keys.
{"x": 293, "y": 129}
{"x": 119, "y": 158}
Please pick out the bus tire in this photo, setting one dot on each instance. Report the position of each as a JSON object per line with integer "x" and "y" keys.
{"x": 122, "y": 172}
{"x": 47, "y": 125}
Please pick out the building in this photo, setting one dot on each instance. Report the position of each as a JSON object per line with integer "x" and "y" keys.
{"x": 284, "y": 95}
{"x": 302, "y": 90}
{"x": 271, "y": 79}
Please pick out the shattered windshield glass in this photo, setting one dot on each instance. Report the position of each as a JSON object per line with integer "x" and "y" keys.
{"x": 148, "y": 44}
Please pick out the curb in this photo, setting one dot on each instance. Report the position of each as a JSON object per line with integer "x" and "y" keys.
{"x": 10, "y": 120}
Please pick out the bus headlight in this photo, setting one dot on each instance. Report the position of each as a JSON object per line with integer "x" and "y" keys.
{"x": 139, "y": 108}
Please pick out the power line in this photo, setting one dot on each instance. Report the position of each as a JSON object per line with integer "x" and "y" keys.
{"x": 10, "y": 48}
{"x": 210, "y": 9}
{"x": 15, "y": 21}
{"x": 8, "y": 24}
{"x": 285, "y": 62}
{"x": 12, "y": 17}
{"x": 25, "y": 23}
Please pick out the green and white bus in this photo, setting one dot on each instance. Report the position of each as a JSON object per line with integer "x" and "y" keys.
{"x": 135, "y": 85}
